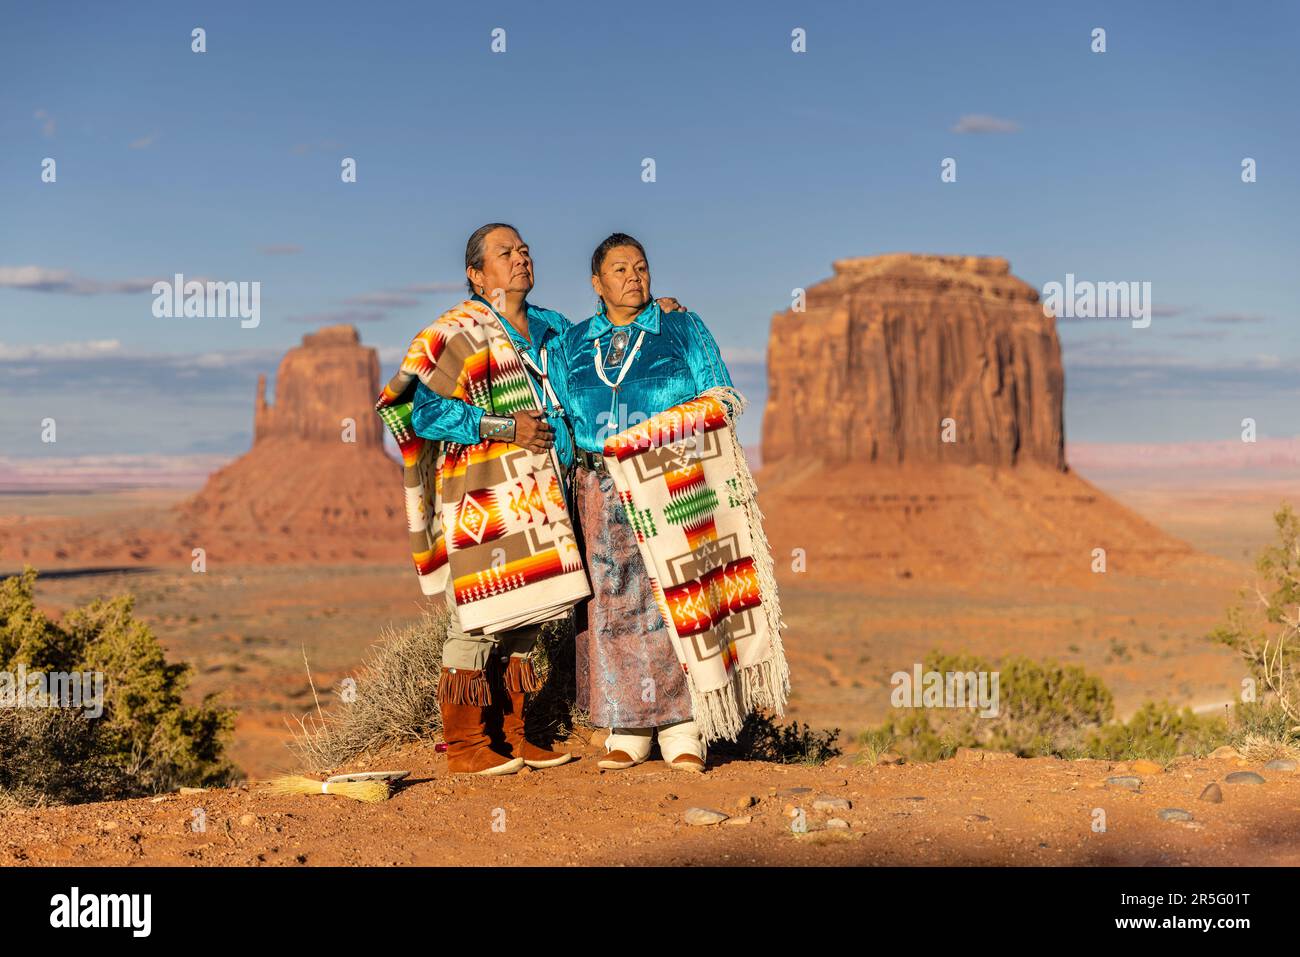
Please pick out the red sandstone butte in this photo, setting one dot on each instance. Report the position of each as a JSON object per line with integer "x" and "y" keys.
{"x": 329, "y": 378}
{"x": 857, "y": 483}
{"x": 890, "y": 346}
{"x": 318, "y": 465}
{"x": 315, "y": 487}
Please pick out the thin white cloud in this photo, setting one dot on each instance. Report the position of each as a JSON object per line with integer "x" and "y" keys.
{"x": 85, "y": 349}
{"x": 402, "y": 298}
{"x": 1232, "y": 318}
{"x": 48, "y": 123}
{"x": 342, "y": 316}
{"x": 984, "y": 123}
{"x": 388, "y": 300}
{"x": 428, "y": 288}
{"x": 83, "y": 472}
{"x": 1202, "y": 335}
{"x": 144, "y": 142}
{"x": 1126, "y": 349}
{"x": 42, "y": 279}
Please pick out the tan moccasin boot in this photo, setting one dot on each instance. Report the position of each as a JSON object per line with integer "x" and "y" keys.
{"x": 465, "y": 726}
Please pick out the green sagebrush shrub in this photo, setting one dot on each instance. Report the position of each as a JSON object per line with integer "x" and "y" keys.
{"x": 1042, "y": 708}
{"x": 1046, "y": 708}
{"x": 145, "y": 741}
{"x": 1263, "y": 627}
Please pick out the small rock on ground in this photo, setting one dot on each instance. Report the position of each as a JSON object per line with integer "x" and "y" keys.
{"x": 1126, "y": 781}
{"x": 1244, "y": 777}
{"x": 1175, "y": 814}
{"x": 1212, "y": 793}
{"x": 1280, "y": 764}
{"x": 703, "y": 816}
{"x": 825, "y": 803}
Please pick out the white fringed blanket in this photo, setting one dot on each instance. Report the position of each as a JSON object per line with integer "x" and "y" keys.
{"x": 682, "y": 477}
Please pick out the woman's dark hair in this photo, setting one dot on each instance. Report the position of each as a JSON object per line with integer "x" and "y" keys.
{"x": 613, "y": 242}
{"x": 474, "y": 248}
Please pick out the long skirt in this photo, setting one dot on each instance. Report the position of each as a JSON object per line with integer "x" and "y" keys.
{"x": 628, "y": 675}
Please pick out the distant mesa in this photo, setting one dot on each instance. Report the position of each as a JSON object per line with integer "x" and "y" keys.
{"x": 317, "y": 469}
{"x": 303, "y": 493}
{"x": 891, "y": 346}
{"x": 858, "y": 482}
{"x": 329, "y": 378}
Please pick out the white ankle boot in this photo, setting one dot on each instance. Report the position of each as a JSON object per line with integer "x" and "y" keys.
{"x": 626, "y": 748}
{"x": 683, "y": 747}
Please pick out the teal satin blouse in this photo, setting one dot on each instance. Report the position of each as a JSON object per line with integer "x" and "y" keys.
{"x": 678, "y": 360}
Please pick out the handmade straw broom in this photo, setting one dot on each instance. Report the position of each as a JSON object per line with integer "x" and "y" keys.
{"x": 369, "y": 791}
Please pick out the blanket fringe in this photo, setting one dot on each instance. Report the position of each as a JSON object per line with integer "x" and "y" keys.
{"x": 716, "y": 712}
{"x": 721, "y": 713}
{"x": 768, "y": 683}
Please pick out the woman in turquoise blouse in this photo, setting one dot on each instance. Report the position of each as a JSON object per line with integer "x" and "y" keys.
{"x": 629, "y": 361}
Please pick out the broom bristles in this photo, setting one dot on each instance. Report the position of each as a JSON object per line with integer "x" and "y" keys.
{"x": 369, "y": 791}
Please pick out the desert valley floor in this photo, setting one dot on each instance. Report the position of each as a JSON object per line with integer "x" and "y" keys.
{"x": 247, "y": 628}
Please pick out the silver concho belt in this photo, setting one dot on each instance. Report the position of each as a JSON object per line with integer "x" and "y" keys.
{"x": 589, "y": 460}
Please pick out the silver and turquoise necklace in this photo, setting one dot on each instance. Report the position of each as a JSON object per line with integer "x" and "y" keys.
{"x": 617, "y": 345}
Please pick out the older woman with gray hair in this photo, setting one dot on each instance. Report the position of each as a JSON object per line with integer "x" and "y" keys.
{"x": 628, "y": 362}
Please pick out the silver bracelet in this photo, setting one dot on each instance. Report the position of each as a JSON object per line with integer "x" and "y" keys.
{"x": 498, "y": 428}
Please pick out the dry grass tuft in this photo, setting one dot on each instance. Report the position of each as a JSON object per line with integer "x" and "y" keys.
{"x": 393, "y": 697}
{"x": 1257, "y": 748}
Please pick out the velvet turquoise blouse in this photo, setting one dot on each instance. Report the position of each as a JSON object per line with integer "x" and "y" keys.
{"x": 678, "y": 360}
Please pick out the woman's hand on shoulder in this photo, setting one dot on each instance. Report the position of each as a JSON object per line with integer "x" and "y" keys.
{"x": 669, "y": 304}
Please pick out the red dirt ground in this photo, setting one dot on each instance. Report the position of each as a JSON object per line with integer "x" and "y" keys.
{"x": 1037, "y": 811}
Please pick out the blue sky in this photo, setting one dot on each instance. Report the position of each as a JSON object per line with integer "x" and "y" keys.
{"x": 1116, "y": 166}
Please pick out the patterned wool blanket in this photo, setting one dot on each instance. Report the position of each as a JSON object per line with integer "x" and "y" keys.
{"x": 682, "y": 478}
{"x": 490, "y": 516}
